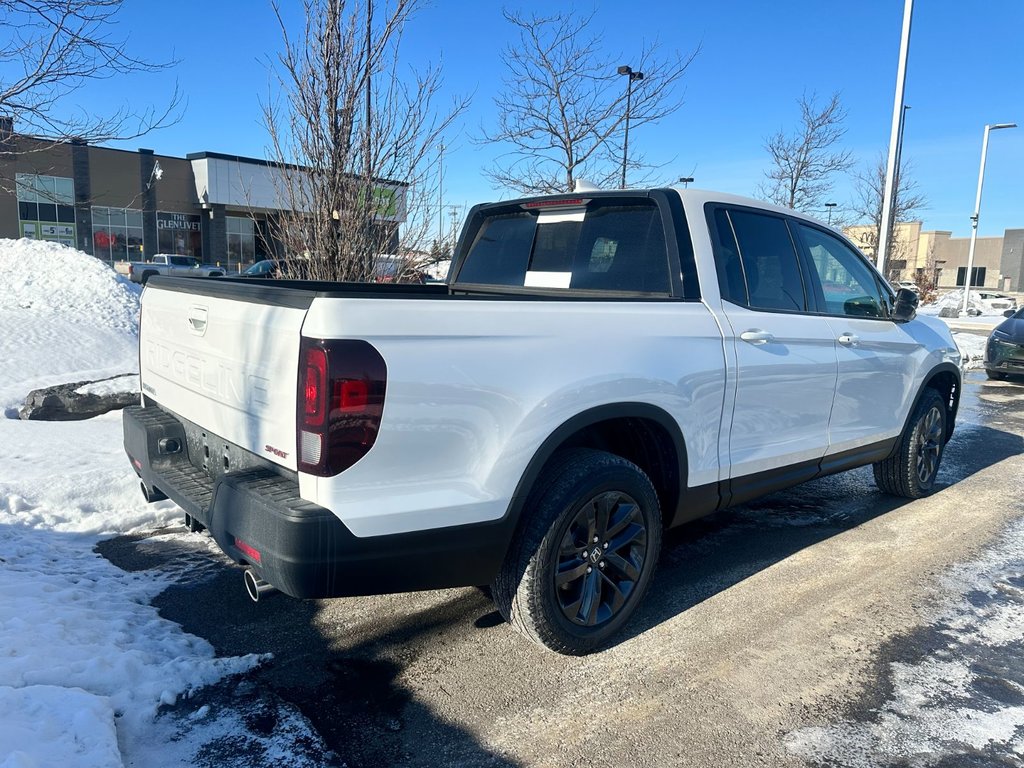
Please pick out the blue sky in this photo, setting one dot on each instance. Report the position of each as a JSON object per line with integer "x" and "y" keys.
{"x": 966, "y": 69}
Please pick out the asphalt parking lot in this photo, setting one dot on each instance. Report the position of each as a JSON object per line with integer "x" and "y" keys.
{"x": 763, "y": 621}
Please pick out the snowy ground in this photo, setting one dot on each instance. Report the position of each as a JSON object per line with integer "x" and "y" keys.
{"x": 86, "y": 664}
{"x": 961, "y": 700}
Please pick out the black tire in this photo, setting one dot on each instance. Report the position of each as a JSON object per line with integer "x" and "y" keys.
{"x": 910, "y": 472}
{"x": 995, "y": 375}
{"x": 147, "y": 275}
{"x": 581, "y": 494}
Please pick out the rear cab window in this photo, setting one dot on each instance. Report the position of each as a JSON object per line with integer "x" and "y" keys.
{"x": 614, "y": 245}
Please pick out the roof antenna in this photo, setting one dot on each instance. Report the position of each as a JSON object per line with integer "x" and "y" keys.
{"x": 582, "y": 185}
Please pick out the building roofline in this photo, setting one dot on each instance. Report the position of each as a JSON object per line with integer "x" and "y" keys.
{"x": 206, "y": 155}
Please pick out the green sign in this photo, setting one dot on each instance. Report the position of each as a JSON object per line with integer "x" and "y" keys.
{"x": 386, "y": 202}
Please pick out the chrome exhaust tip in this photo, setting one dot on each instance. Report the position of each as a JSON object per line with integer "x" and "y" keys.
{"x": 257, "y": 587}
{"x": 151, "y": 494}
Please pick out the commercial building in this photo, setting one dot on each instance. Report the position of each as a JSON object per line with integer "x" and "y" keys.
{"x": 123, "y": 205}
{"x": 939, "y": 258}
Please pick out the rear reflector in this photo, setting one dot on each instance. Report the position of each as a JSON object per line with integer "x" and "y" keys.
{"x": 250, "y": 552}
{"x": 311, "y": 447}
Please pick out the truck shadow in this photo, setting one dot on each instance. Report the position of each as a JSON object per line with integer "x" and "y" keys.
{"x": 708, "y": 556}
{"x": 350, "y": 679}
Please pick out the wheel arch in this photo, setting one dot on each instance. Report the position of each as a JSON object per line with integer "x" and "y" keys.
{"x": 639, "y": 432}
{"x": 947, "y": 380}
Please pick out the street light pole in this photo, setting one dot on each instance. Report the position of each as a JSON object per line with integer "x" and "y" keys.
{"x": 628, "y": 71}
{"x": 686, "y": 181}
{"x": 977, "y": 211}
{"x": 830, "y": 206}
{"x": 895, "y": 141}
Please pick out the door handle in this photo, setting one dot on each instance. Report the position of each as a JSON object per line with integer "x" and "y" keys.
{"x": 757, "y": 336}
{"x": 849, "y": 339}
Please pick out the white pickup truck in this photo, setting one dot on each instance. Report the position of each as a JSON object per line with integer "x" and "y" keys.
{"x": 172, "y": 265}
{"x": 599, "y": 367}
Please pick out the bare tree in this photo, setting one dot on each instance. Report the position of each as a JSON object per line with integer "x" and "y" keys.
{"x": 562, "y": 111}
{"x": 907, "y": 202}
{"x": 804, "y": 162}
{"x": 353, "y": 140}
{"x": 54, "y": 47}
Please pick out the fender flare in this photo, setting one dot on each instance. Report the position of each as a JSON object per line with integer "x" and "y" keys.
{"x": 946, "y": 367}
{"x": 582, "y": 420}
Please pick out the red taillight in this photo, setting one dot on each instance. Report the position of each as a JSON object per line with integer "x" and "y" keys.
{"x": 341, "y": 402}
{"x": 351, "y": 395}
{"x": 315, "y": 387}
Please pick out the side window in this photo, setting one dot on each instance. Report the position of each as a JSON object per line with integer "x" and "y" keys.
{"x": 758, "y": 264}
{"x": 847, "y": 282}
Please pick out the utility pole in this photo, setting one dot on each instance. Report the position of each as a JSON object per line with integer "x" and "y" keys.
{"x": 440, "y": 194}
{"x": 453, "y": 212}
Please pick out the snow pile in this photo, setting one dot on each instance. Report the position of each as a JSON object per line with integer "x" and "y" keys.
{"x": 61, "y": 310}
{"x": 950, "y": 303}
{"x": 961, "y": 700}
{"x": 71, "y": 620}
{"x": 86, "y": 662}
{"x": 52, "y": 279}
{"x": 951, "y": 300}
{"x": 972, "y": 347}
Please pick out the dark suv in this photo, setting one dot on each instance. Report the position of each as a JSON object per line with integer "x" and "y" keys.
{"x": 1004, "y": 352}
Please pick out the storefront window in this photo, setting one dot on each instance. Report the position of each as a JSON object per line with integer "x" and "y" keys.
{"x": 179, "y": 233}
{"x": 46, "y": 207}
{"x": 117, "y": 234}
{"x": 241, "y": 239}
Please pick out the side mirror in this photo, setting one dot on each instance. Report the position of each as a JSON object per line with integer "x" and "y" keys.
{"x": 905, "y": 307}
{"x": 1009, "y": 312}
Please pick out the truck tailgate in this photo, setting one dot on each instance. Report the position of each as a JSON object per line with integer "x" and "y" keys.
{"x": 227, "y": 358}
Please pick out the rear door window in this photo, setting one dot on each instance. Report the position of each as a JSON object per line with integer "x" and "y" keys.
{"x": 609, "y": 245}
{"x": 757, "y": 261}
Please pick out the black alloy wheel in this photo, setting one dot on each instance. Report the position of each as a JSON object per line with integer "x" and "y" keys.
{"x": 929, "y": 438}
{"x": 583, "y": 554}
{"x": 600, "y": 559}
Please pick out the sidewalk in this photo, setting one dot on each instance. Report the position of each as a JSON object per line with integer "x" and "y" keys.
{"x": 971, "y": 325}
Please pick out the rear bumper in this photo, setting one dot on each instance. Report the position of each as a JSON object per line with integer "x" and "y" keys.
{"x": 257, "y": 517}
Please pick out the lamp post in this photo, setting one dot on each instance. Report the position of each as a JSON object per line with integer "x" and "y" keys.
{"x": 895, "y": 141}
{"x": 977, "y": 211}
{"x": 830, "y": 206}
{"x": 631, "y": 75}
{"x": 685, "y": 181}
